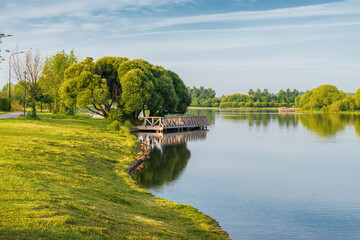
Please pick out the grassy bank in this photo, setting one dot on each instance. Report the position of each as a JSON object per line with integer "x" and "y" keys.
{"x": 64, "y": 179}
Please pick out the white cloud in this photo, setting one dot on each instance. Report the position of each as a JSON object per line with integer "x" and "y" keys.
{"x": 329, "y": 9}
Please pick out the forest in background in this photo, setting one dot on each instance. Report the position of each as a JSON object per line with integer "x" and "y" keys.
{"x": 326, "y": 98}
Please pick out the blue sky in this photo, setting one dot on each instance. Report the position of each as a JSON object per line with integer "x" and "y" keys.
{"x": 229, "y": 45}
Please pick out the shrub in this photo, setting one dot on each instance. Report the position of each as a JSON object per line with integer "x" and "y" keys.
{"x": 216, "y": 105}
{"x": 118, "y": 115}
{"x": 234, "y": 104}
{"x": 249, "y": 104}
{"x": 114, "y": 126}
{"x": 257, "y": 104}
{"x": 241, "y": 104}
{"x": 5, "y": 105}
{"x": 264, "y": 104}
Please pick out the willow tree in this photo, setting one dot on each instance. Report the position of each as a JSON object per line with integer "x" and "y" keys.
{"x": 93, "y": 85}
{"x": 164, "y": 99}
{"x": 181, "y": 92}
{"x": 136, "y": 80}
{"x": 83, "y": 87}
{"x": 53, "y": 74}
{"x": 107, "y": 68}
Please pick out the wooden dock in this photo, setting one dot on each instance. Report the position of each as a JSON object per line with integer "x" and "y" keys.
{"x": 175, "y": 123}
{"x": 288, "y": 110}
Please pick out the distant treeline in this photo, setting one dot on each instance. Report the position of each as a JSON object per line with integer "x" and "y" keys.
{"x": 203, "y": 97}
{"x": 325, "y": 98}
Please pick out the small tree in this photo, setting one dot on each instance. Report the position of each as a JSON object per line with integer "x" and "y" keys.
{"x": 53, "y": 74}
{"x": 27, "y": 72}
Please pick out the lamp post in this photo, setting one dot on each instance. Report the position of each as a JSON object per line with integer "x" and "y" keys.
{"x": 10, "y": 72}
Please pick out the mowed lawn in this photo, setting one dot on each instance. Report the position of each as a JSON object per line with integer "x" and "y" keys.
{"x": 65, "y": 179}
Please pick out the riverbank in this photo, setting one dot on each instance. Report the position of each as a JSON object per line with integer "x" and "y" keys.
{"x": 65, "y": 178}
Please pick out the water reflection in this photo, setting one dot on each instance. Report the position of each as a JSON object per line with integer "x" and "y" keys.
{"x": 323, "y": 125}
{"x": 169, "y": 157}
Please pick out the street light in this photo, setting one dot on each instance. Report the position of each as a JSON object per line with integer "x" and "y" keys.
{"x": 10, "y": 72}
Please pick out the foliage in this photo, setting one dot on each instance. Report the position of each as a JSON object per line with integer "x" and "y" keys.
{"x": 53, "y": 75}
{"x": 261, "y": 99}
{"x": 5, "y": 104}
{"x": 118, "y": 115}
{"x": 148, "y": 87}
{"x": 65, "y": 179}
{"x": 107, "y": 68}
{"x": 321, "y": 97}
{"x": 114, "y": 126}
{"x": 181, "y": 92}
{"x": 82, "y": 86}
{"x": 203, "y": 97}
{"x": 138, "y": 88}
{"x": 357, "y": 97}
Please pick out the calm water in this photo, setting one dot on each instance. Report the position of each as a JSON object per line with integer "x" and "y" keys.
{"x": 266, "y": 176}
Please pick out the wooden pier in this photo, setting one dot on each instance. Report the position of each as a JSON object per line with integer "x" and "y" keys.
{"x": 288, "y": 110}
{"x": 175, "y": 123}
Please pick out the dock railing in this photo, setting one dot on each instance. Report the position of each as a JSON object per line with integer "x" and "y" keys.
{"x": 180, "y": 122}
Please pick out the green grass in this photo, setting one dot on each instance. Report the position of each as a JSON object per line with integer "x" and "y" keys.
{"x": 64, "y": 178}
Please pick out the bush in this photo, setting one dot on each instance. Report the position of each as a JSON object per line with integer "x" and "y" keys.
{"x": 114, "y": 126}
{"x": 234, "y": 104}
{"x": 118, "y": 115}
{"x": 5, "y": 105}
{"x": 249, "y": 104}
{"x": 264, "y": 104}
{"x": 216, "y": 105}
{"x": 257, "y": 104}
{"x": 241, "y": 104}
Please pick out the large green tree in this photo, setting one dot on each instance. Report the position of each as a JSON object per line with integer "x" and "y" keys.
{"x": 321, "y": 97}
{"x": 107, "y": 68}
{"x": 181, "y": 92}
{"x": 137, "y": 84}
{"x": 83, "y": 87}
{"x": 53, "y": 74}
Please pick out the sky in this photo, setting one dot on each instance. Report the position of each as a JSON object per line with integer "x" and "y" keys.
{"x": 228, "y": 45}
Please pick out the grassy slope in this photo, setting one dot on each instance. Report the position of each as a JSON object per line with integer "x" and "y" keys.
{"x": 64, "y": 179}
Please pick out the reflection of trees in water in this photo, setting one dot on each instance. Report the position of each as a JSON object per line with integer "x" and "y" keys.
{"x": 262, "y": 118}
{"x": 324, "y": 125}
{"x": 327, "y": 125}
{"x": 210, "y": 114}
{"x": 165, "y": 165}
{"x": 288, "y": 120}
{"x": 357, "y": 125}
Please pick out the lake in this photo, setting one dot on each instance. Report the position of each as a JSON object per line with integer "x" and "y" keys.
{"x": 262, "y": 175}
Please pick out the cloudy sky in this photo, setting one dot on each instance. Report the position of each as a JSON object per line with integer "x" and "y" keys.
{"x": 229, "y": 45}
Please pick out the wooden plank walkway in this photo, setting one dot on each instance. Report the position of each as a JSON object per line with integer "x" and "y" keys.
{"x": 175, "y": 123}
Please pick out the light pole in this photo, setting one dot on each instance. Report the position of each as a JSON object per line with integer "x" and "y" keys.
{"x": 10, "y": 72}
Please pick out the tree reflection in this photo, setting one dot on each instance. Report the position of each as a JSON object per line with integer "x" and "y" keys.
{"x": 165, "y": 165}
{"x": 325, "y": 125}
